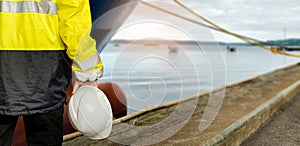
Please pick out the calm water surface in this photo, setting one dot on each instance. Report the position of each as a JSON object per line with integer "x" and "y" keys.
{"x": 151, "y": 75}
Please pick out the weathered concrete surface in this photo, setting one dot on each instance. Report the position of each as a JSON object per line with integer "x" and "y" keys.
{"x": 282, "y": 129}
{"x": 156, "y": 127}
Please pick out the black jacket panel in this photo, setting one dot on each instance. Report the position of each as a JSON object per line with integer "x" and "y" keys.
{"x": 32, "y": 82}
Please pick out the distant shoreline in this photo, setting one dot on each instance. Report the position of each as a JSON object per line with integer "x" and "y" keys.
{"x": 287, "y": 42}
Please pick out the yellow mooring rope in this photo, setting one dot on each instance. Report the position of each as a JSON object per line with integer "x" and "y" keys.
{"x": 250, "y": 41}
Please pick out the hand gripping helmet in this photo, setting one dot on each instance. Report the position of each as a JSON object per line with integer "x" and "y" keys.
{"x": 90, "y": 112}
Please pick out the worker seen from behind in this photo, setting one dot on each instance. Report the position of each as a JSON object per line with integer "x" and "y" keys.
{"x": 37, "y": 38}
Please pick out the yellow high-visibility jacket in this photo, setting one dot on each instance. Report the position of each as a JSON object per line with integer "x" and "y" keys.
{"x": 35, "y": 36}
{"x": 44, "y": 25}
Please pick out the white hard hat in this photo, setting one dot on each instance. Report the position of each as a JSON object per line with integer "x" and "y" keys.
{"x": 90, "y": 112}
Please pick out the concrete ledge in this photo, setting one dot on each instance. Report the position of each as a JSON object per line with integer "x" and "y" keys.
{"x": 243, "y": 128}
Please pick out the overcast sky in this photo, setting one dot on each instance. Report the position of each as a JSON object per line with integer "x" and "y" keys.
{"x": 261, "y": 19}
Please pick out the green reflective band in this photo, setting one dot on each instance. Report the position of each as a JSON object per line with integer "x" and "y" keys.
{"x": 43, "y": 7}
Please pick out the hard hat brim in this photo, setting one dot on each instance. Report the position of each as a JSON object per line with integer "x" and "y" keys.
{"x": 104, "y": 134}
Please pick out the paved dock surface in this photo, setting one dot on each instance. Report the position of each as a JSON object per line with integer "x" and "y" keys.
{"x": 240, "y": 100}
{"x": 283, "y": 129}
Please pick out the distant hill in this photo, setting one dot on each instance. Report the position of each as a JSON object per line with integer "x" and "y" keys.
{"x": 160, "y": 42}
{"x": 287, "y": 42}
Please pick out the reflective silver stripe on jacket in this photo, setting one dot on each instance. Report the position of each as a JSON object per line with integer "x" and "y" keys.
{"x": 88, "y": 63}
{"x": 43, "y": 7}
{"x": 88, "y": 76}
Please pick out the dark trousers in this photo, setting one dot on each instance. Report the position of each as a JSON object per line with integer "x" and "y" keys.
{"x": 41, "y": 129}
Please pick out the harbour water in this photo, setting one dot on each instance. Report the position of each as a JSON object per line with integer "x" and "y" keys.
{"x": 157, "y": 73}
